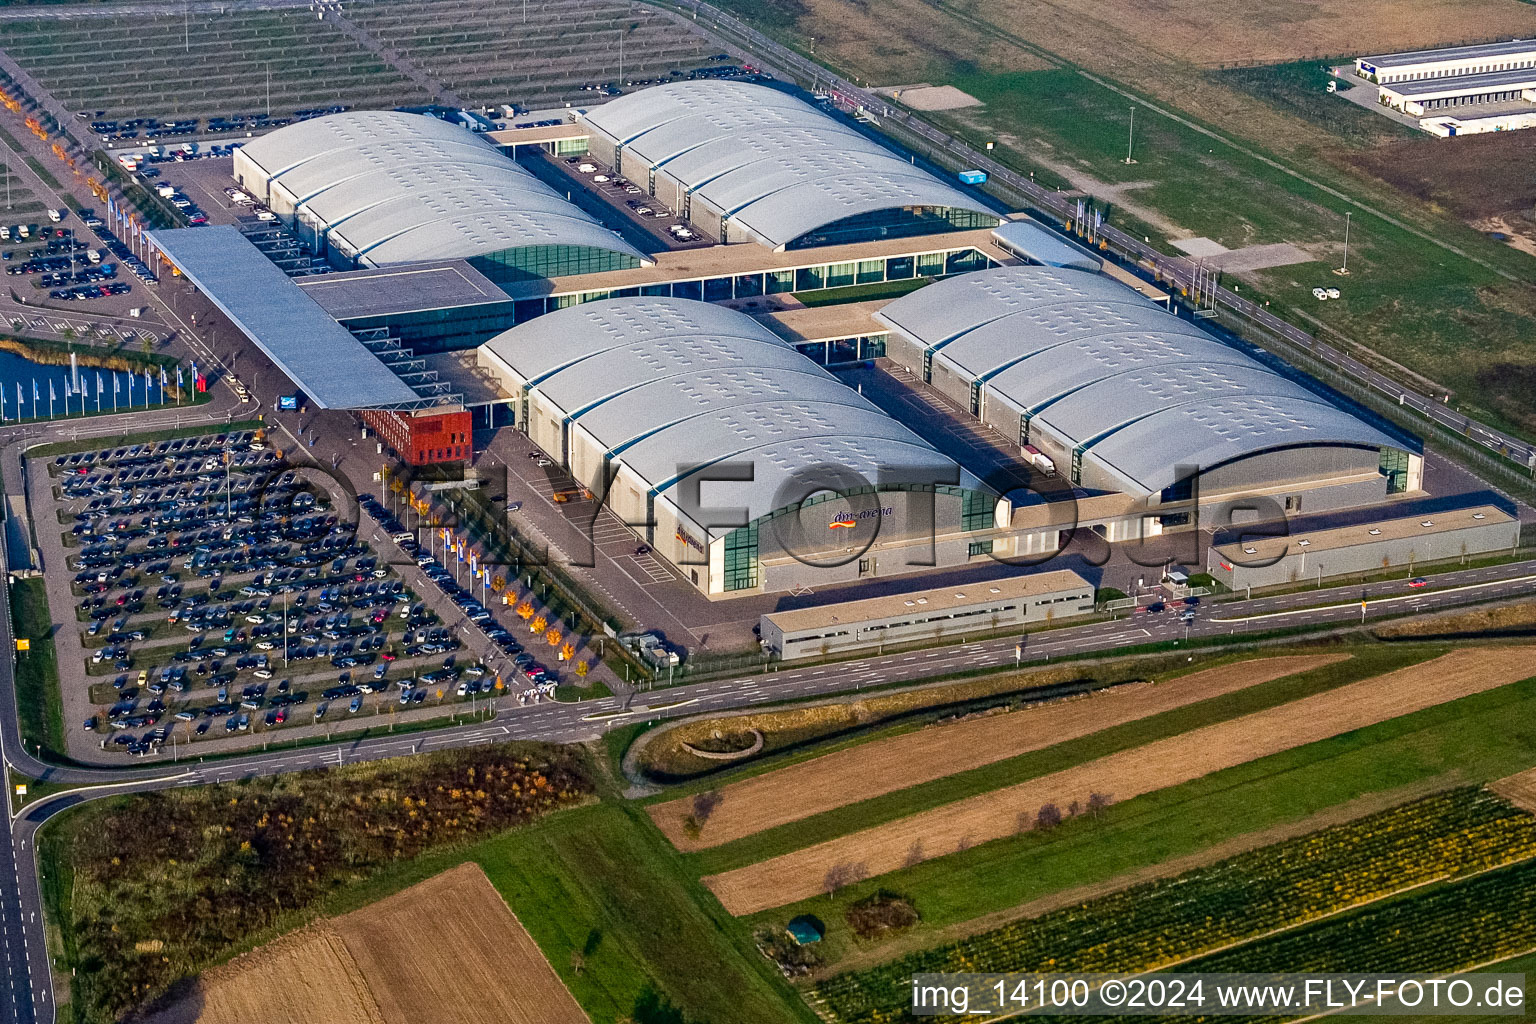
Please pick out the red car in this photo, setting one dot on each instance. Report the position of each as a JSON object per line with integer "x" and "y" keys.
{"x": 1417, "y": 582}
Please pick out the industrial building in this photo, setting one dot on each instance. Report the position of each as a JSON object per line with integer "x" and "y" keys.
{"x": 1420, "y": 98}
{"x": 1366, "y": 547}
{"x": 1119, "y": 395}
{"x": 737, "y": 458}
{"x": 1013, "y": 602}
{"x": 1448, "y": 62}
{"x": 689, "y": 390}
{"x": 1488, "y": 86}
{"x": 381, "y": 188}
{"x": 749, "y": 163}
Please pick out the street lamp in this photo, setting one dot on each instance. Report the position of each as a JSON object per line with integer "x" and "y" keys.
{"x": 1345, "y": 268}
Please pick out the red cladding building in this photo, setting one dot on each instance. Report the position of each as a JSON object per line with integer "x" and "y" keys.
{"x": 424, "y": 437}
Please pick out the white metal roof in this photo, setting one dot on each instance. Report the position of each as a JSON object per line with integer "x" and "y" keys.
{"x": 1457, "y": 85}
{"x": 668, "y": 386}
{"x": 319, "y": 355}
{"x": 1141, "y": 392}
{"x": 393, "y": 188}
{"x": 768, "y": 161}
{"x": 1477, "y": 51}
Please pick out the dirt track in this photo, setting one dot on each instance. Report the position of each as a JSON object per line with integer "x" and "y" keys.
{"x": 1168, "y": 762}
{"x": 885, "y": 766}
{"x": 445, "y": 951}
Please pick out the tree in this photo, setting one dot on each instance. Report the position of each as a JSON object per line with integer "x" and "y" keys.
{"x": 539, "y": 624}
{"x": 704, "y": 804}
{"x": 841, "y": 875}
{"x": 567, "y": 652}
{"x": 914, "y": 855}
{"x": 554, "y": 637}
{"x": 147, "y": 343}
{"x": 1048, "y": 817}
{"x": 498, "y": 583}
{"x": 1096, "y": 804}
{"x": 525, "y": 611}
{"x": 581, "y": 669}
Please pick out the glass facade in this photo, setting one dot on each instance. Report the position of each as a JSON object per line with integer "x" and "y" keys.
{"x": 776, "y": 282}
{"x": 897, "y": 222}
{"x": 1394, "y": 466}
{"x": 443, "y": 330}
{"x": 978, "y": 509}
{"x": 535, "y": 262}
{"x": 741, "y": 564}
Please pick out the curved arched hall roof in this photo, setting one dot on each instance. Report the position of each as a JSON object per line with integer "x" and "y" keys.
{"x": 392, "y": 187}
{"x": 1139, "y": 391}
{"x": 769, "y": 162}
{"x": 669, "y": 385}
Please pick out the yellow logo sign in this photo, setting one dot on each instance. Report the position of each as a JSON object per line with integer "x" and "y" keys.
{"x": 23, "y": 644}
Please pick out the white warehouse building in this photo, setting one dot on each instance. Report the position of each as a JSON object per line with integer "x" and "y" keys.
{"x": 378, "y": 188}
{"x": 1448, "y": 62}
{"x": 737, "y": 458}
{"x": 1125, "y": 397}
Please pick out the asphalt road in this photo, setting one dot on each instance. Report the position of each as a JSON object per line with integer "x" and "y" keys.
{"x": 21, "y": 932}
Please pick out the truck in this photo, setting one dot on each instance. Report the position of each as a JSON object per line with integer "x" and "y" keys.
{"x": 165, "y": 190}
{"x": 566, "y": 494}
{"x": 95, "y": 255}
{"x": 973, "y": 177}
{"x": 1041, "y": 461}
{"x": 55, "y": 215}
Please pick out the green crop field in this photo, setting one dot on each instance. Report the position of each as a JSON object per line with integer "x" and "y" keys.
{"x": 1459, "y": 832}
{"x": 1467, "y": 740}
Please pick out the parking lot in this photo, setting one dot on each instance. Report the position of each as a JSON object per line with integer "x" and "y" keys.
{"x": 618, "y": 201}
{"x": 220, "y": 591}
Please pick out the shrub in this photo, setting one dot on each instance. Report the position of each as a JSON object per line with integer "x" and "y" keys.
{"x": 881, "y": 913}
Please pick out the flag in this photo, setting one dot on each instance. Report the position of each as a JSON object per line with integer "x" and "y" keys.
{"x": 114, "y": 384}
{"x": 53, "y": 396}
{"x": 99, "y": 387}
{"x": 163, "y": 381}
{"x": 35, "y": 396}
{"x": 178, "y": 375}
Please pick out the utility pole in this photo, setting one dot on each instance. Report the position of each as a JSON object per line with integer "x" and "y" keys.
{"x": 1130, "y": 138}
{"x": 1345, "y": 268}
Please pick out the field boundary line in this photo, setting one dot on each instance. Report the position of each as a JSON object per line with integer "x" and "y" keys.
{"x": 1375, "y": 600}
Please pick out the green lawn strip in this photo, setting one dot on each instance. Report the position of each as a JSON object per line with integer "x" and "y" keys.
{"x": 43, "y": 173}
{"x": 861, "y": 292}
{"x": 603, "y": 883}
{"x": 1299, "y": 88}
{"x": 40, "y": 707}
{"x": 92, "y": 444}
{"x": 940, "y": 696}
{"x": 891, "y": 806}
{"x": 1469, "y": 739}
{"x": 56, "y": 876}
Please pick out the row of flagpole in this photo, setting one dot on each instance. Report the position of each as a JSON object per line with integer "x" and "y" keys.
{"x": 77, "y": 385}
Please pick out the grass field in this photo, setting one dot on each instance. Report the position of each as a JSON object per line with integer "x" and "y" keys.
{"x": 39, "y": 703}
{"x": 1465, "y": 741}
{"x": 885, "y": 766}
{"x": 1218, "y": 160}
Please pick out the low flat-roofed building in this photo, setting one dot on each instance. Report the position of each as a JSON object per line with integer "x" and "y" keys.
{"x": 1364, "y": 547}
{"x": 984, "y": 606}
{"x": 1421, "y": 97}
{"x": 1448, "y": 62}
{"x": 445, "y": 304}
